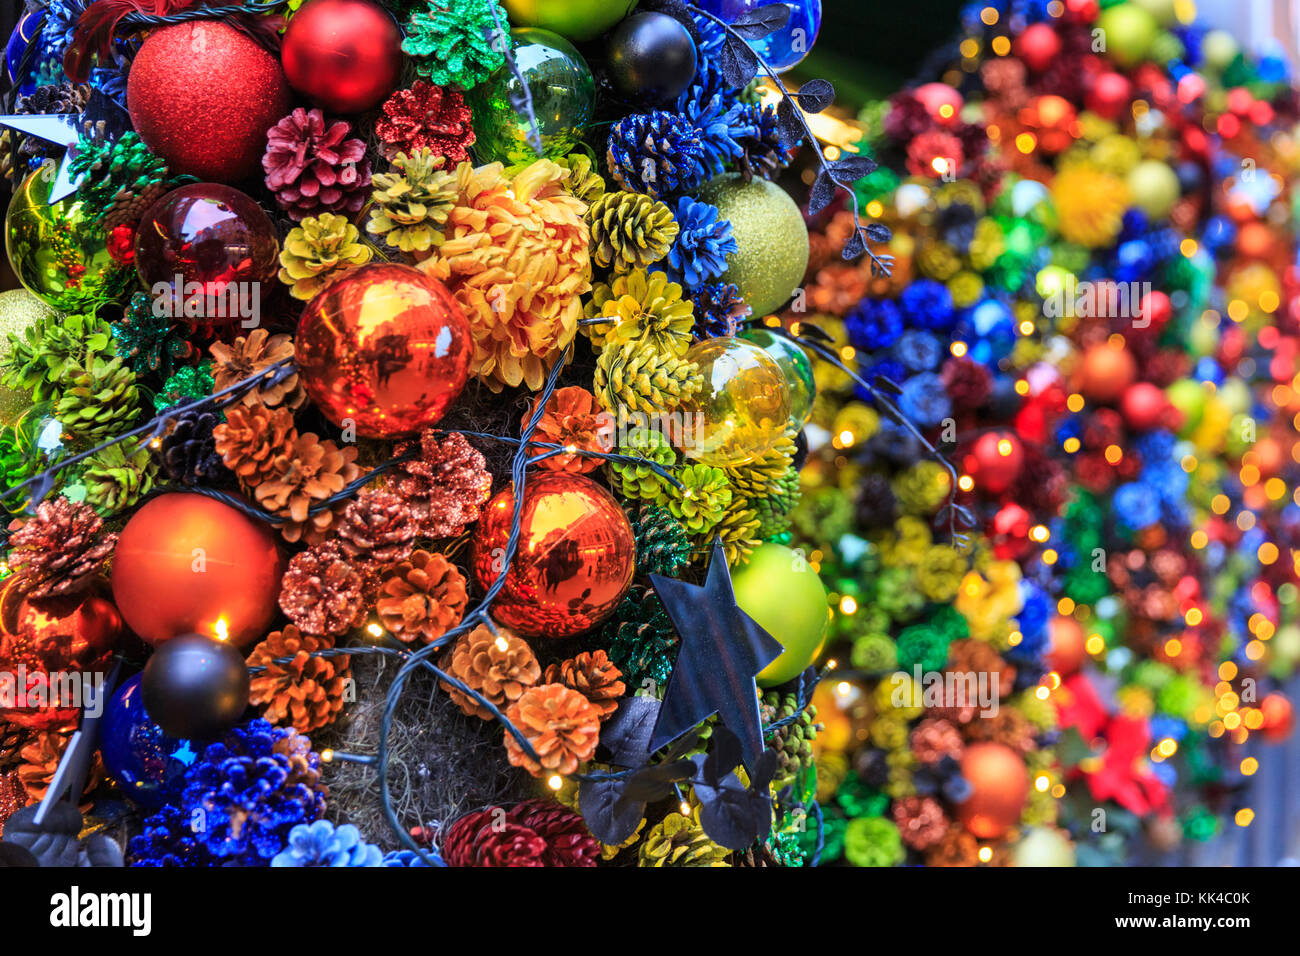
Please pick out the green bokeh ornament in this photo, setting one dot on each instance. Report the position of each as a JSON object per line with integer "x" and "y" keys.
{"x": 795, "y": 366}
{"x": 564, "y": 96}
{"x": 19, "y": 310}
{"x": 778, "y": 588}
{"x": 579, "y": 20}
{"x": 58, "y": 251}
{"x": 771, "y": 235}
{"x": 1129, "y": 32}
{"x": 1154, "y": 186}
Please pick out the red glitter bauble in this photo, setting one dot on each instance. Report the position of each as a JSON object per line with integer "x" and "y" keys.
{"x": 1109, "y": 95}
{"x": 187, "y": 563}
{"x": 345, "y": 55}
{"x": 999, "y": 784}
{"x": 47, "y": 645}
{"x": 995, "y": 461}
{"x": 575, "y": 559}
{"x": 1144, "y": 406}
{"x": 1038, "y": 46}
{"x": 385, "y": 348}
{"x": 202, "y": 96}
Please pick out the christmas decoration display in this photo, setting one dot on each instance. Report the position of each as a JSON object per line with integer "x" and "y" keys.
{"x": 513, "y": 472}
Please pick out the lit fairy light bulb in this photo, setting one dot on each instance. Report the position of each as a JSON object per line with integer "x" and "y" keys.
{"x": 221, "y": 629}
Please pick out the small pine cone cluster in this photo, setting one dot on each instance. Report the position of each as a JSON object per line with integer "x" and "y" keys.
{"x": 323, "y": 591}
{"x": 501, "y": 667}
{"x": 314, "y": 166}
{"x": 40, "y": 761}
{"x": 562, "y": 726}
{"x": 305, "y": 692}
{"x": 61, "y": 550}
{"x": 594, "y": 676}
{"x": 188, "y": 453}
{"x": 533, "y": 833}
{"x": 421, "y": 598}
{"x": 377, "y": 526}
{"x": 251, "y": 438}
{"x": 444, "y": 485}
{"x": 630, "y": 231}
{"x": 248, "y": 355}
{"x": 307, "y": 473}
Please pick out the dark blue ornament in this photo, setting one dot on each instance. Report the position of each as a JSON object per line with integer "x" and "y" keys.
{"x": 785, "y": 47}
{"x": 138, "y": 755}
{"x": 26, "y": 33}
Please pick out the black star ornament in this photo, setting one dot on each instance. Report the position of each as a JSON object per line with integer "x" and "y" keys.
{"x": 723, "y": 650}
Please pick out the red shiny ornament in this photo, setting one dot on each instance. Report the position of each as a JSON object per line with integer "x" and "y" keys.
{"x": 995, "y": 461}
{"x": 202, "y": 96}
{"x": 941, "y": 101}
{"x": 1067, "y": 645}
{"x": 345, "y": 55}
{"x": 47, "y": 644}
{"x": 999, "y": 784}
{"x": 1010, "y": 531}
{"x": 1106, "y": 372}
{"x": 1110, "y": 95}
{"x": 1156, "y": 309}
{"x": 205, "y": 251}
{"x": 1053, "y": 121}
{"x": 1144, "y": 406}
{"x": 121, "y": 244}
{"x": 1082, "y": 11}
{"x": 1038, "y": 46}
{"x": 575, "y": 559}
{"x": 386, "y": 348}
{"x": 188, "y": 563}
{"x": 1279, "y": 717}
{"x": 1255, "y": 240}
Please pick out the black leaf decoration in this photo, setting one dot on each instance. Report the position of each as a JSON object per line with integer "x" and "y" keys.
{"x": 626, "y": 735}
{"x": 884, "y": 384}
{"x": 853, "y": 168}
{"x": 854, "y": 247}
{"x": 100, "y": 850}
{"x": 11, "y": 854}
{"x": 732, "y": 814}
{"x": 815, "y": 96}
{"x": 762, "y": 22}
{"x": 878, "y": 232}
{"x": 607, "y": 811}
{"x": 53, "y": 841}
{"x": 822, "y": 194}
{"x": 814, "y": 331}
{"x": 739, "y": 64}
{"x": 654, "y": 783}
{"x": 789, "y": 120}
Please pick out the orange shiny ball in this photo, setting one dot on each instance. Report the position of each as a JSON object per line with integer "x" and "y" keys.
{"x": 1106, "y": 372}
{"x": 1066, "y": 641}
{"x": 1279, "y": 717}
{"x": 575, "y": 559}
{"x": 999, "y": 789}
{"x": 385, "y": 348}
{"x": 187, "y": 563}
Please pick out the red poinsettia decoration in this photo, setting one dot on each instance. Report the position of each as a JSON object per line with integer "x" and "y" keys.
{"x": 430, "y": 116}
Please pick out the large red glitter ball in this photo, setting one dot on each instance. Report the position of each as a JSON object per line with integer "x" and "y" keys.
{"x": 202, "y": 96}
{"x": 345, "y": 55}
{"x": 385, "y": 349}
{"x": 575, "y": 559}
{"x": 187, "y": 563}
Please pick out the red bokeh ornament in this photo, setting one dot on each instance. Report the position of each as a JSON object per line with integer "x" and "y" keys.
{"x": 575, "y": 559}
{"x": 187, "y": 563}
{"x": 1279, "y": 717}
{"x": 1067, "y": 645}
{"x": 1038, "y": 46}
{"x": 941, "y": 101}
{"x": 1106, "y": 372}
{"x": 1109, "y": 95}
{"x": 1145, "y": 406}
{"x": 344, "y": 55}
{"x": 205, "y": 251}
{"x": 202, "y": 96}
{"x": 995, "y": 461}
{"x": 385, "y": 348}
{"x": 999, "y": 784}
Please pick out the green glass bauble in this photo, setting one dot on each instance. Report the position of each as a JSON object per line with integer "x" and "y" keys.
{"x": 795, "y": 366}
{"x": 742, "y": 408}
{"x": 563, "y": 92}
{"x": 1043, "y": 846}
{"x": 576, "y": 19}
{"x": 19, "y": 310}
{"x": 778, "y": 588}
{"x": 770, "y": 234}
{"x": 1129, "y": 32}
{"x": 58, "y": 251}
{"x": 1155, "y": 187}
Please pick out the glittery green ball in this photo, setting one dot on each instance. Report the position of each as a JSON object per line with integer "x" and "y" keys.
{"x": 772, "y": 237}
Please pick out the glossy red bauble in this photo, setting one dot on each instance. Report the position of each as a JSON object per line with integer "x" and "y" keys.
{"x": 1279, "y": 717}
{"x": 1109, "y": 95}
{"x": 575, "y": 559}
{"x": 1144, "y": 406}
{"x": 186, "y": 563}
{"x": 995, "y": 461}
{"x": 941, "y": 101}
{"x": 344, "y": 55}
{"x": 1038, "y": 46}
{"x": 999, "y": 784}
{"x": 1067, "y": 645}
{"x": 1106, "y": 372}
{"x": 202, "y": 96}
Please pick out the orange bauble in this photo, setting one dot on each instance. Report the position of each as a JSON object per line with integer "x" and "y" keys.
{"x": 1066, "y": 645}
{"x": 1106, "y": 372}
{"x": 386, "y": 348}
{"x": 999, "y": 784}
{"x": 1279, "y": 717}
{"x": 575, "y": 559}
{"x": 187, "y": 563}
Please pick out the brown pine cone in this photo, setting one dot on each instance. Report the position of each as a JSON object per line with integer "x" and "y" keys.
{"x": 13, "y": 738}
{"x": 970, "y": 656}
{"x": 594, "y": 676}
{"x": 562, "y": 726}
{"x": 322, "y": 592}
{"x": 377, "y": 526}
{"x": 40, "y": 759}
{"x": 304, "y": 765}
{"x": 310, "y": 471}
{"x": 444, "y": 485}
{"x": 956, "y": 848}
{"x": 422, "y": 598}
{"x": 249, "y": 355}
{"x": 251, "y": 438}
{"x": 305, "y": 693}
{"x": 1008, "y": 726}
{"x": 921, "y": 821}
{"x": 499, "y": 666}
{"x": 61, "y": 550}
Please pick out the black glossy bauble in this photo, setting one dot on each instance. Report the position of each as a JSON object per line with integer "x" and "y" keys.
{"x": 195, "y": 687}
{"x": 651, "y": 57}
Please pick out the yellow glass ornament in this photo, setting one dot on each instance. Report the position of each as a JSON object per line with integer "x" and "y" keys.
{"x": 742, "y": 409}
{"x": 59, "y": 253}
{"x": 19, "y": 310}
{"x": 795, "y": 366}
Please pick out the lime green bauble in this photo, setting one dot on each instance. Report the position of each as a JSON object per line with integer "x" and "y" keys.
{"x": 576, "y": 19}
{"x": 742, "y": 408}
{"x": 1129, "y": 31}
{"x": 1043, "y": 846}
{"x": 1189, "y": 397}
{"x": 563, "y": 91}
{"x": 1203, "y": 337}
{"x": 1155, "y": 187}
{"x": 59, "y": 252}
{"x": 1164, "y": 11}
{"x": 1218, "y": 49}
{"x": 770, "y": 234}
{"x": 780, "y": 590}
{"x": 1235, "y": 394}
{"x": 19, "y": 310}
{"x": 795, "y": 366}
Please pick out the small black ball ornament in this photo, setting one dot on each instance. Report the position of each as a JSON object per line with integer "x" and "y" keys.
{"x": 195, "y": 687}
{"x": 651, "y": 57}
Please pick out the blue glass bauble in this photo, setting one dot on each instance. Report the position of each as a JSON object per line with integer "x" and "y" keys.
{"x": 137, "y": 754}
{"x": 788, "y": 45}
{"x": 27, "y": 32}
